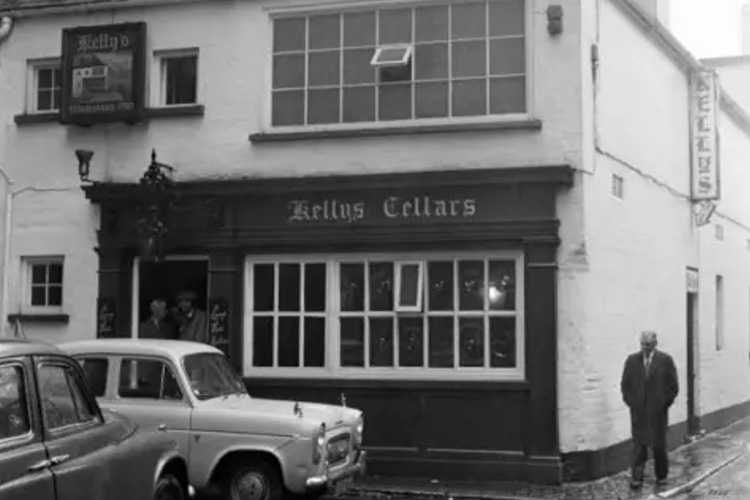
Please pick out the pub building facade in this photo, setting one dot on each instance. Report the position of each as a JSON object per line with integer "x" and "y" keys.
{"x": 390, "y": 205}
{"x": 432, "y": 284}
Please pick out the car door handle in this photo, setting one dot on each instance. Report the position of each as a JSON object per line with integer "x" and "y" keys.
{"x": 162, "y": 427}
{"x": 58, "y": 459}
{"x": 39, "y": 466}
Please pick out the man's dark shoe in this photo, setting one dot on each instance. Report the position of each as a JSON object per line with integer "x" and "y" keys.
{"x": 635, "y": 484}
{"x": 661, "y": 482}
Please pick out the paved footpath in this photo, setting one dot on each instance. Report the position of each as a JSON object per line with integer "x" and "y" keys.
{"x": 730, "y": 483}
{"x": 690, "y": 466}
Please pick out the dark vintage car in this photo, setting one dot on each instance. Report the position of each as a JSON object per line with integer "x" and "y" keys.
{"x": 57, "y": 444}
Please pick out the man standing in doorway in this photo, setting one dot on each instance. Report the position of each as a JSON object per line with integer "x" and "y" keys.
{"x": 192, "y": 321}
{"x": 157, "y": 326}
{"x": 649, "y": 387}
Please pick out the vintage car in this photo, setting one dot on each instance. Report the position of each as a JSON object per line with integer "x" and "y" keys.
{"x": 57, "y": 444}
{"x": 247, "y": 448}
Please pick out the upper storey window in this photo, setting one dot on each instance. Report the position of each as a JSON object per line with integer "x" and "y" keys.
{"x": 436, "y": 62}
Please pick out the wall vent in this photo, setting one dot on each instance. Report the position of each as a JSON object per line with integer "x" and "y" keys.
{"x": 618, "y": 186}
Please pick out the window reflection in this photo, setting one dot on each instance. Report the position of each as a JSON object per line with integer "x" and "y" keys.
{"x": 381, "y": 286}
{"x": 471, "y": 342}
{"x": 440, "y": 279}
{"x": 410, "y": 342}
{"x": 502, "y": 283}
{"x": 381, "y": 342}
{"x": 352, "y": 287}
{"x": 471, "y": 283}
{"x": 352, "y": 342}
{"x": 441, "y": 342}
{"x": 502, "y": 342}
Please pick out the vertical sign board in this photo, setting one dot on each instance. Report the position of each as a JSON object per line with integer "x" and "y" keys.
{"x": 218, "y": 316}
{"x": 103, "y": 73}
{"x": 106, "y": 317}
{"x": 704, "y": 136}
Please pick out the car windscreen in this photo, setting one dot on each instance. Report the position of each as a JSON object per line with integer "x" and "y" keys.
{"x": 210, "y": 375}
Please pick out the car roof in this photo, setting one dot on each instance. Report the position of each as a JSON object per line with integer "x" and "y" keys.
{"x": 10, "y": 347}
{"x": 139, "y": 347}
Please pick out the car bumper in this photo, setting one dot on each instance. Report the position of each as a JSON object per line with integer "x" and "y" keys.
{"x": 330, "y": 479}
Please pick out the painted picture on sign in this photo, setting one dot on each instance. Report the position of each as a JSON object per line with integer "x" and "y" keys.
{"x": 103, "y": 71}
{"x": 102, "y": 78}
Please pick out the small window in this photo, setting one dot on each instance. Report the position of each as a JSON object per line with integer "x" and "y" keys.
{"x": 719, "y": 232}
{"x": 44, "y": 280}
{"x": 14, "y": 413}
{"x": 45, "y": 86}
{"x": 63, "y": 398}
{"x": 148, "y": 379}
{"x": 179, "y": 78}
{"x": 409, "y": 284}
{"x": 95, "y": 371}
{"x": 389, "y": 56}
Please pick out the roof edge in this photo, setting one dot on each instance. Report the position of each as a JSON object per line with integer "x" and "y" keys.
{"x": 52, "y": 7}
{"x": 679, "y": 53}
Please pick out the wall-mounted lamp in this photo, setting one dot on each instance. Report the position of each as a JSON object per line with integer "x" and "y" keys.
{"x": 554, "y": 20}
{"x": 84, "y": 163}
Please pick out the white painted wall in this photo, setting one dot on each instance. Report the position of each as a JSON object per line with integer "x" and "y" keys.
{"x": 725, "y": 375}
{"x": 234, "y": 42}
{"x": 631, "y": 272}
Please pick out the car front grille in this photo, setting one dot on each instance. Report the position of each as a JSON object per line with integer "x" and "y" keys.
{"x": 338, "y": 449}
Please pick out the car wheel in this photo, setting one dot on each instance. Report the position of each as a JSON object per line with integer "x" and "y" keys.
{"x": 253, "y": 481}
{"x": 169, "y": 488}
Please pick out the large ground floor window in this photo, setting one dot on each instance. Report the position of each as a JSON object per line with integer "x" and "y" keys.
{"x": 411, "y": 316}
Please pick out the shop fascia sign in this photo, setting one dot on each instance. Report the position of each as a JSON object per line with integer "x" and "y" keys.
{"x": 704, "y": 144}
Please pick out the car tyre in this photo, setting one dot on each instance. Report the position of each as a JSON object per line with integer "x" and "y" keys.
{"x": 169, "y": 488}
{"x": 253, "y": 481}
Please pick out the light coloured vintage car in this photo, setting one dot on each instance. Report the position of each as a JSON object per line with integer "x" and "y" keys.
{"x": 246, "y": 447}
{"x": 56, "y": 443}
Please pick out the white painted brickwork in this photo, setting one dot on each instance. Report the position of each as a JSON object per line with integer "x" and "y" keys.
{"x": 631, "y": 273}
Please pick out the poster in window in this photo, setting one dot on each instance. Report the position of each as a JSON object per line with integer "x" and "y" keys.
{"x": 218, "y": 323}
{"x": 103, "y": 73}
{"x": 106, "y": 317}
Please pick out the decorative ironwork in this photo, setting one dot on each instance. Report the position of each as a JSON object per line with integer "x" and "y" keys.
{"x": 155, "y": 202}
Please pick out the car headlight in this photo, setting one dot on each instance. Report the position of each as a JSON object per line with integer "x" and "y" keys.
{"x": 359, "y": 429}
{"x": 319, "y": 444}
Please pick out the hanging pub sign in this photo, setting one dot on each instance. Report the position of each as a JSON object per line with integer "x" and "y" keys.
{"x": 103, "y": 73}
{"x": 704, "y": 136}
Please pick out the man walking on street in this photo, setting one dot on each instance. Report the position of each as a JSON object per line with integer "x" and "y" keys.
{"x": 649, "y": 387}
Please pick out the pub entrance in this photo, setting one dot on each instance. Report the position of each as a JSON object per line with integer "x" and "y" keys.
{"x": 165, "y": 280}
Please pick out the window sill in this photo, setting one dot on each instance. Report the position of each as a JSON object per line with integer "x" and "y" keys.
{"x": 160, "y": 112}
{"x": 527, "y": 124}
{"x": 40, "y": 318}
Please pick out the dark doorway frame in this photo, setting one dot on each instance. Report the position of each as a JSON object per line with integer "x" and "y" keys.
{"x": 137, "y": 303}
{"x": 693, "y": 421}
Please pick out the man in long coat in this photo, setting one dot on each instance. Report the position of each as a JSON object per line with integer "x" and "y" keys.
{"x": 193, "y": 322}
{"x": 649, "y": 387}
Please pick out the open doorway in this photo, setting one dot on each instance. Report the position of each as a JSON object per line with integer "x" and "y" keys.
{"x": 165, "y": 280}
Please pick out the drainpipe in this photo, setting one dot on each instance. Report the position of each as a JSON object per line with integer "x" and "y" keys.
{"x": 6, "y": 26}
{"x": 4, "y": 328}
